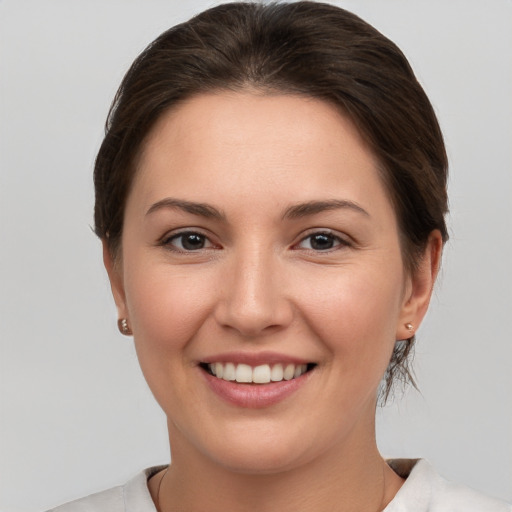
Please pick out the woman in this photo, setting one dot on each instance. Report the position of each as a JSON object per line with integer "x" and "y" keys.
{"x": 270, "y": 195}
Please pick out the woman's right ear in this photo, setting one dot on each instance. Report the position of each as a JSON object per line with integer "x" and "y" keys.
{"x": 115, "y": 275}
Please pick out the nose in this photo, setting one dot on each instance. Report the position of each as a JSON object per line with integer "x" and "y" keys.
{"x": 254, "y": 301}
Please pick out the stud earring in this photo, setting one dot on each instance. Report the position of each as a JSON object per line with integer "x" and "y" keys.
{"x": 122, "y": 325}
{"x": 409, "y": 327}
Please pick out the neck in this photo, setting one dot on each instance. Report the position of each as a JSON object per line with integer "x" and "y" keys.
{"x": 353, "y": 477}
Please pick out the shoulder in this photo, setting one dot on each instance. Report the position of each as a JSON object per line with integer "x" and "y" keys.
{"x": 134, "y": 496}
{"x": 451, "y": 497}
{"x": 425, "y": 490}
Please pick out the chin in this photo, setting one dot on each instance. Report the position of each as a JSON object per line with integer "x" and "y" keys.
{"x": 263, "y": 449}
{"x": 261, "y": 461}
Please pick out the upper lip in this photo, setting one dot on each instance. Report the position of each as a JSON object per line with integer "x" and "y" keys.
{"x": 254, "y": 358}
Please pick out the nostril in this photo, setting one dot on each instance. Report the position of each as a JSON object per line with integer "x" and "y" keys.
{"x": 251, "y": 299}
{"x": 254, "y": 320}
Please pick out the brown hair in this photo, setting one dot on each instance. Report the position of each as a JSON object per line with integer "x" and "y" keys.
{"x": 306, "y": 48}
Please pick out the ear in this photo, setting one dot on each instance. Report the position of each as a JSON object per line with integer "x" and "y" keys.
{"x": 115, "y": 275}
{"x": 419, "y": 287}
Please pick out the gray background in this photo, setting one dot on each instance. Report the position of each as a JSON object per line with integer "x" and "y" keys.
{"x": 75, "y": 413}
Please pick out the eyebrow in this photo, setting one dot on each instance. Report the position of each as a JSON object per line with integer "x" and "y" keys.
{"x": 293, "y": 212}
{"x": 313, "y": 207}
{"x": 200, "y": 209}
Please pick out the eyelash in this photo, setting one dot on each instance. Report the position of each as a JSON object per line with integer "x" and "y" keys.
{"x": 168, "y": 241}
{"x": 335, "y": 240}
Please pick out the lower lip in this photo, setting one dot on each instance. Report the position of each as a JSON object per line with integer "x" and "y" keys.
{"x": 255, "y": 396}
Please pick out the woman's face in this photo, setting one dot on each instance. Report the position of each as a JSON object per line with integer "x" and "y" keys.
{"x": 259, "y": 243}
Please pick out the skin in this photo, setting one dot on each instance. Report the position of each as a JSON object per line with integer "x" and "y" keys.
{"x": 259, "y": 283}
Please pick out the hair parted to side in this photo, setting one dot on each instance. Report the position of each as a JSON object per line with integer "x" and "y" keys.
{"x": 305, "y": 48}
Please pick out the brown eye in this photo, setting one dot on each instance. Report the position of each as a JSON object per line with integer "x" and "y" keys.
{"x": 321, "y": 242}
{"x": 188, "y": 241}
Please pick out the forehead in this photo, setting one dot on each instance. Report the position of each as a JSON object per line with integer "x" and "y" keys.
{"x": 240, "y": 145}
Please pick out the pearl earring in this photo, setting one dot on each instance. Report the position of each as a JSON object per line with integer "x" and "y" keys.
{"x": 122, "y": 325}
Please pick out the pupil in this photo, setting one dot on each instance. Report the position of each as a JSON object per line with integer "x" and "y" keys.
{"x": 192, "y": 242}
{"x": 322, "y": 242}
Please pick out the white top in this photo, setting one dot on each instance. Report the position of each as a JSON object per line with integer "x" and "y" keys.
{"x": 423, "y": 491}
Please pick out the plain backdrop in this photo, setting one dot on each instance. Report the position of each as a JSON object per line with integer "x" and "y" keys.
{"x": 75, "y": 413}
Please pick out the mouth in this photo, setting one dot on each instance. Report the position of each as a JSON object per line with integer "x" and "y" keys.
{"x": 261, "y": 374}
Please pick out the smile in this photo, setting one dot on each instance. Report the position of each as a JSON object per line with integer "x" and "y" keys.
{"x": 261, "y": 374}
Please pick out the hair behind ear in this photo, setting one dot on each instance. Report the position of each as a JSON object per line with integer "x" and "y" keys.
{"x": 419, "y": 288}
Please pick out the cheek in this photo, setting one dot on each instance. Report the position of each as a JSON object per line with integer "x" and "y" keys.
{"x": 166, "y": 310}
{"x": 355, "y": 314}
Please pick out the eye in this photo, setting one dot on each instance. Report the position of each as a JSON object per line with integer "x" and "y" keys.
{"x": 188, "y": 241}
{"x": 321, "y": 242}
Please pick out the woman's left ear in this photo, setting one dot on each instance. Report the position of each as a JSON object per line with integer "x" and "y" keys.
{"x": 419, "y": 288}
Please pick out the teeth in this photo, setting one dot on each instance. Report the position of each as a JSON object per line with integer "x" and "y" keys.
{"x": 219, "y": 370}
{"x": 299, "y": 370}
{"x": 262, "y": 374}
{"x": 243, "y": 373}
{"x": 289, "y": 372}
{"x": 228, "y": 372}
{"x": 277, "y": 373}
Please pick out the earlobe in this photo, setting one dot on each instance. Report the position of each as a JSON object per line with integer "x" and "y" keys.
{"x": 420, "y": 288}
{"x": 115, "y": 276}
